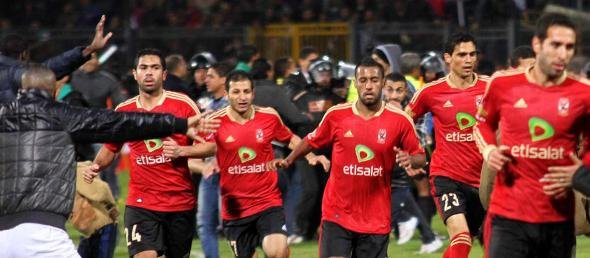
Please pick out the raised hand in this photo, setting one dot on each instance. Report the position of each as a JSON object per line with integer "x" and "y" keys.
{"x": 99, "y": 40}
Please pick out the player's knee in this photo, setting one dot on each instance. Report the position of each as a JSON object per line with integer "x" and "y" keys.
{"x": 146, "y": 254}
{"x": 279, "y": 253}
{"x": 275, "y": 246}
{"x": 456, "y": 224}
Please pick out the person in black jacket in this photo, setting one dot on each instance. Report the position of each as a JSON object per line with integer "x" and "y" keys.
{"x": 37, "y": 160}
{"x": 268, "y": 94}
{"x": 14, "y": 54}
{"x": 177, "y": 72}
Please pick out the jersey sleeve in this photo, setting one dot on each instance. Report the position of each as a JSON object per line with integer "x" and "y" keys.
{"x": 418, "y": 106}
{"x": 322, "y": 135}
{"x": 409, "y": 140}
{"x": 193, "y": 109}
{"x": 488, "y": 117}
{"x": 282, "y": 133}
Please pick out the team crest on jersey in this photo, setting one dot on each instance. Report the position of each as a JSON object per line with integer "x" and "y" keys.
{"x": 259, "y": 135}
{"x": 478, "y": 100}
{"x": 381, "y": 135}
{"x": 563, "y": 106}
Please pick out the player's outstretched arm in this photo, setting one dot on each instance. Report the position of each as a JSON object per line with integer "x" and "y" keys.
{"x": 407, "y": 161}
{"x": 301, "y": 149}
{"x": 103, "y": 159}
{"x": 312, "y": 159}
{"x": 203, "y": 124}
{"x": 173, "y": 150}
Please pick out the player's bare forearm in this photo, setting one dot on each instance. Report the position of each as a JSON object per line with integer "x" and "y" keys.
{"x": 295, "y": 140}
{"x": 302, "y": 149}
{"x": 104, "y": 158}
{"x": 199, "y": 151}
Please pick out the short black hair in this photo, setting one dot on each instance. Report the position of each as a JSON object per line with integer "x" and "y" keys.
{"x": 369, "y": 62}
{"x": 222, "y": 68}
{"x": 520, "y": 52}
{"x": 13, "y": 45}
{"x": 260, "y": 68}
{"x": 150, "y": 52}
{"x": 456, "y": 39}
{"x": 396, "y": 77}
{"x": 306, "y": 51}
{"x": 552, "y": 19}
{"x": 246, "y": 52}
{"x": 236, "y": 76}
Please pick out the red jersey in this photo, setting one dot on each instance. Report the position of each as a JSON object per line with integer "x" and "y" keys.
{"x": 456, "y": 155}
{"x": 156, "y": 182}
{"x": 247, "y": 186}
{"x": 358, "y": 193}
{"x": 541, "y": 126}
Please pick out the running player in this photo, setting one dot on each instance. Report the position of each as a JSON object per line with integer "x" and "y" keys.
{"x": 159, "y": 215}
{"x": 356, "y": 208}
{"x": 456, "y": 162}
{"x": 251, "y": 201}
{"x": 542, "y": 111}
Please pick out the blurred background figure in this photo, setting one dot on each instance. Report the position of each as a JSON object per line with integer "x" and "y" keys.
{"x": 198, "y": 65}
{"x": 521, "y": 57}
{"x": 432, "y": 67}
{"x": 283, "y": 67}
{"x": 177, "y": 74}
{"x": 246, "y": 56}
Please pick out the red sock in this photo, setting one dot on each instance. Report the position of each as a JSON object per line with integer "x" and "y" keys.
{"x": 460, "y": 246}
{"x": 447, "y": 253}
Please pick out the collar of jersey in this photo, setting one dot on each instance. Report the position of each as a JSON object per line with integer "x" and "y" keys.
{"x": 356, "y": 111}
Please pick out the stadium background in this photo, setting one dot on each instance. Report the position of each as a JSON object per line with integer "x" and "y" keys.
{"x": 344, "y": 30}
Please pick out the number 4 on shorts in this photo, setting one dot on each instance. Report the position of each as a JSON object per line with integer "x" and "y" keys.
{"x": 135, "y": 236}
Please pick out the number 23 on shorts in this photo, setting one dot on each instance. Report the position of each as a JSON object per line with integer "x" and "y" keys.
{"x": 449, "y": 200}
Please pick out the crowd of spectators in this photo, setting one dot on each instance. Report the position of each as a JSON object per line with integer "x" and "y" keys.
{"x": 223, "y": 13}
